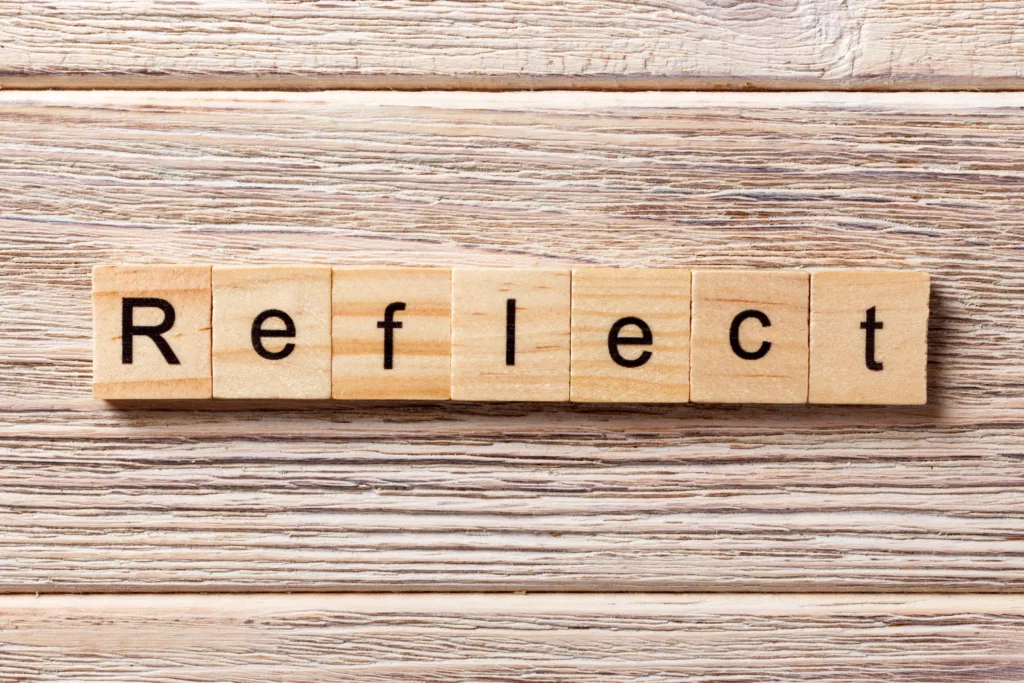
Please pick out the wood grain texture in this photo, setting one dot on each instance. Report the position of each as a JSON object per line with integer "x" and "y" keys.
{"x": 888, "y": 363}
{"x": 627, "y": 311}
{"x": 718, "y": 374}
{"x": 521, "y": 44}
{"x": 299, "y": 301}
{"x": 510, "y": 334}
{"x": 152, "y": 371}
{"x": 264, "y": 638}
{"x": 420, "y": 359}
{"x": 357, "y": 495}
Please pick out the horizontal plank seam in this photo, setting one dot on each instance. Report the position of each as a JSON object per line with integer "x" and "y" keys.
{"x": 5, "y": 592}
{"x": 676, "y": 596}
{"x": 291, "y": 83}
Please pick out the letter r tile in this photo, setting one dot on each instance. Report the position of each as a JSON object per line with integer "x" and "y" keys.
{"x": 749, "y": 336}
{"x": 272, "y": 332}
{"x": 869, "y": 337}
{"x": 151, "y": 332}
{"x": 510, "y": 334}
{"x": 392, "y": 333}
{"x": 630, "y": 335}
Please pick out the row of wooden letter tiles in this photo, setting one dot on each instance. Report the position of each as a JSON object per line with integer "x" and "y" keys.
{"x": 501, "y": 334}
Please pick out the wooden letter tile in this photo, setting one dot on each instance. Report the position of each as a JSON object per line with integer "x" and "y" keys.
{"x": 392, "y": 333}
{"x": 272, "y": 332}
{"x": 151, "y": 332}
{"x": 630, "y": 335}
{"x": 510, "y": 335}
{"x": 869, "y": 337}
{"x": 749, "y": 337}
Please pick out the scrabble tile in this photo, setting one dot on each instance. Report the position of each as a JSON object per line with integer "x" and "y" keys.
{"x": 630, "y": 335}
{"x": 151, "y": 332}
{"x": 392, "y": 333}
{"x": 510, "y": 335}
{"x": 869, "y": 337}
{"x": 749, "y": 337}
{"x": 272, "y": 332}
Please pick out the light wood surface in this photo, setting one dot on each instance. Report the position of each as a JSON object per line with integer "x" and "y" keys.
{"x": 784, "y": 44}
{"x": 170, "y": 355}
{"x": 588, "y": 638}
{"x": 360, "y": 496}
{"x": 749, "y": 336}
{"x": 421, "y": 348}
{"x": 652, "y": 368}
{"x": 505, "y": 497}
{"x": 869, "y": 337}
{"x": 510, "y": 334}
{"x": 298, "y": 301}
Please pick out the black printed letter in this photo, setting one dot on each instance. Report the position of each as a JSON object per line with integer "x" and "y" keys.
{"x": 129, "y": 330}
{"x": 389, "y": 325}
{"x": 510, "y": 332}
{"x": 869, "y": 326}
{"x": 734, "y": 335}
{"x": 258, "y": 334}
{"x": 614, "y": 340}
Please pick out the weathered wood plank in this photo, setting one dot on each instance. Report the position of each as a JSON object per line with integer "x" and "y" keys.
{"x": 688, "y": 44}
{"x": 257, "y": 638}
{"x": 368, "y": 496}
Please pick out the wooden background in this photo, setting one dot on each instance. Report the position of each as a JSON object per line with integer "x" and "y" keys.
{"x": 375, "y": 541}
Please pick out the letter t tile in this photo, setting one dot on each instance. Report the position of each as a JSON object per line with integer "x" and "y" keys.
{"x": 869, "y": 337}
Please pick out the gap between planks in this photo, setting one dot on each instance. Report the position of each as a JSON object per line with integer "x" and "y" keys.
{"x": 890, "y": 103}
{"x": 511, "y": 83}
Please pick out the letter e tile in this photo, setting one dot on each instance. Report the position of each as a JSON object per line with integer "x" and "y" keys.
{"x": 272, "y": 332}
{"x": 630, "y": 335}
